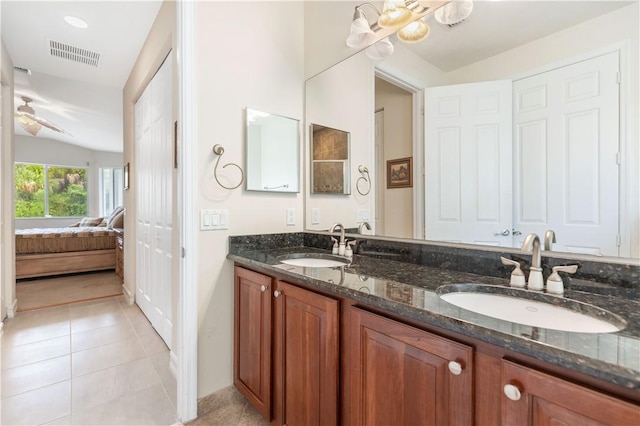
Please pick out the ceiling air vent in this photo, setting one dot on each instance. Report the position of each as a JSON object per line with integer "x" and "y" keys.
{"x": 73, "y": 53}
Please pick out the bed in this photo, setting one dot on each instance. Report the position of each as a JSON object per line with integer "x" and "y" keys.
{"x": 79, "y": 248}
{"x": 55, "y": 251}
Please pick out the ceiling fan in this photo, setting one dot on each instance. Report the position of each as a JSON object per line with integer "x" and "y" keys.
{"x": 26, "y": 118}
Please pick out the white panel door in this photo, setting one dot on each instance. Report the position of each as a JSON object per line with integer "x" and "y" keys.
{"x": 153, "y": 171}
{"x": 468, "y": 163}
{"x": 566, "y": 132}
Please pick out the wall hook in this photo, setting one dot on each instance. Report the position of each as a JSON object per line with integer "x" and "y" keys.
{"x": 219, "y": 150}
{"x": 366, "y": 178}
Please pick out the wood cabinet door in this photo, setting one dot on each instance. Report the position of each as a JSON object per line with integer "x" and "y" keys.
{"x": 252, "y": 338}
{"x": 542, "y": 399}
{"x": 306, "y": 357}
{"x": 401, "y": 375}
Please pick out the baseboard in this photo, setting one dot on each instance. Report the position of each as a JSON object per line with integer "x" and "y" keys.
{"x": 12, "y": 308}
{"x": 129, "y": 297}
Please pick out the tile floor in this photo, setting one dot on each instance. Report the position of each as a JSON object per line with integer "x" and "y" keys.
{"x": 97, "y": 362}
{"x": 227, "y": 407}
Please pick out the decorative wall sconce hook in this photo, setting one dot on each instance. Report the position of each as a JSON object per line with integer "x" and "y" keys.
{"x": 365, "y": 178}
{"x": 219, "y": 150}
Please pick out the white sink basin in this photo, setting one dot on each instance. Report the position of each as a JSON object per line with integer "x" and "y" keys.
{"x": 308, "y": 260}
{"x": 518, "y": 306}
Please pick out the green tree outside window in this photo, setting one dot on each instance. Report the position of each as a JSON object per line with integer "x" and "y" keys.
{"x": 43, "y": 190}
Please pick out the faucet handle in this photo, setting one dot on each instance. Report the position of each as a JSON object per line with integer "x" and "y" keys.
{"x": 517, "y": 276}
{"x": 554, "y": 282}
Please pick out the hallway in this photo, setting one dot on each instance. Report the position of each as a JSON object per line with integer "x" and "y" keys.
{"x": 96, "y": 362}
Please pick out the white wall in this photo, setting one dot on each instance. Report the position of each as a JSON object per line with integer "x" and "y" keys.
{"x": 252, "y": 56}
{"x": 611, "y": 29}
{"x": 30, "y": 149}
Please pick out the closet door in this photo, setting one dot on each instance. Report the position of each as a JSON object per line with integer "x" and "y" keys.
{"x": 153, "y": 171}
{"x": 468, "y": 163}
{"x": 566, "y": 133}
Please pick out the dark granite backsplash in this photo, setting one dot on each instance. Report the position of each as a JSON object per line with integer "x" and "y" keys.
{"x": 597, "y": 277}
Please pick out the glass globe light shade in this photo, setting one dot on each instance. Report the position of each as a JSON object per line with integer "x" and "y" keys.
{"x": 414, "y": 32}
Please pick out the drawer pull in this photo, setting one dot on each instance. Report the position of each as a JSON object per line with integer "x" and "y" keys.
{"x": 277, "y": 293}
{"x": 263, "y": 288}
{"x": 455, "y": 368}
{"x": 512, "y": 392}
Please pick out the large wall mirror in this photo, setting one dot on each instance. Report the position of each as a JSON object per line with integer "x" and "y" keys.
{"x": 273, "y": 152}
{"x": 525, "y": 137}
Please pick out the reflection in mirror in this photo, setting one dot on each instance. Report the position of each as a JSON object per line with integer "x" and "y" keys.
{"x": 330, "y": 169}
{"x": 273, "y": 152}
{"x": 543, "y": 179}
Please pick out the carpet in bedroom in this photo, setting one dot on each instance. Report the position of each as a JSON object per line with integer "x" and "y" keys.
{"x": 60, "y": 290}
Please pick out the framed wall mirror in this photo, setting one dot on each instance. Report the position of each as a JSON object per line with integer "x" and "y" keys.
{"x": 330, "y": 167}
{"x": 529, "y": 171}
{"x": 273, "y": 152}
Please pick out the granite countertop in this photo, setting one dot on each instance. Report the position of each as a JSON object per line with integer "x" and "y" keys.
{"x": 410, "y": 290}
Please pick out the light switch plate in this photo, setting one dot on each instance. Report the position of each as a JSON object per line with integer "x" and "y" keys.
{"x": 291, "y": 216}
{"x": 363, "y": 215}
{"x": 211, "y": 220}
{"x": 315, "y": 216}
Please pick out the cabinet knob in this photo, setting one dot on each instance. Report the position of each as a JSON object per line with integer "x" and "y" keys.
{"x": 455, "y": 368}
{"x": 277, "y": 293}
{"x": 512, "y": 392}
{"x": 263, "y": 288}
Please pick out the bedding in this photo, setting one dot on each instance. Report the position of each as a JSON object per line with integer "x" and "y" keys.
{"x": 62, "y": 240}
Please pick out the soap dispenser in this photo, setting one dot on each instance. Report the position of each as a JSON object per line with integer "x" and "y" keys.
{"x": 517, "y": 276}
{"x": 554, "y": 282}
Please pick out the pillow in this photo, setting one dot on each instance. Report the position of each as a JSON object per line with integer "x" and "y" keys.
{"x": 90, "y": 221}
{"x": 117, "y": 221}
{"x": 113, "y": 214}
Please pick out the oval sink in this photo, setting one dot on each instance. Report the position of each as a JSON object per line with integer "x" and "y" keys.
{"x": 313, "y": 260}
{"x": 533, "y": 309}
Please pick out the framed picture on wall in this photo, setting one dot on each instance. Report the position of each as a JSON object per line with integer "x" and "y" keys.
{"x": 399, "y": 173}
{"x": 125, "y": 177}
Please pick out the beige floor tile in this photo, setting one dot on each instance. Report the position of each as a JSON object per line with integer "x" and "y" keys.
{"x": 151, "y": 341}
{"x": 38, "y": 406}
{"x": 62, "y": 421}
{"x": 96, "y": 314}
{"x": 107, "y": 385}
{"x": 33, "y": 376}
{"x": 16, "y": 356}
{"x": 105, "y": 356}
{"x": 101, "y": 336}
{"x": 160, "y": 362}
{"x": 150, "y": 406}
{"x": 35, "y": 326}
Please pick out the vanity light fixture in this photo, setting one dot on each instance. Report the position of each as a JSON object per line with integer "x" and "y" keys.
{"x": 395, "y": 14}
{"x": 454, "y": 12}
{"x": 414, "y": 32}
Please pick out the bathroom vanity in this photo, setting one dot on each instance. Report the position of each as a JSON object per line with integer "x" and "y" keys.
{"x": 372, "y": 343}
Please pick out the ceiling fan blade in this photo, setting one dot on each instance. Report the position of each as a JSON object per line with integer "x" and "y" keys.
{"x": 49, "y": 125}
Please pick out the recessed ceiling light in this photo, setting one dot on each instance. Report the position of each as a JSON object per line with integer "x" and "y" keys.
{"x": 75, "y": 22}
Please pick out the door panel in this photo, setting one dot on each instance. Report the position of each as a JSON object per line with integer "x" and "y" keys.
{"x": 153, "y": 176}
{"x": 468, "y": 163}
{"x": 567, "y": 138}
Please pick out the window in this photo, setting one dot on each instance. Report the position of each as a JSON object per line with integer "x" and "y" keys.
{"x": 110, "y": 189}
{"x": 44, "y": 191}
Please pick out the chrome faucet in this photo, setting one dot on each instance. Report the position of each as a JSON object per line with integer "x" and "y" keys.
{"x": 362, "y": 226}
{"x": 532, "y": 243}
{"x": 341, "y": 246}
{"x": 549, "y": 239}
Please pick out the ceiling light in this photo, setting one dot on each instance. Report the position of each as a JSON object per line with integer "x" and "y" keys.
{"x": 454, "y": 12}
{"x": 380, "y": 50}
{"x": 414, "y": 32}
{"x": 395, "y": 14}
{"x": 76, "y": 22}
